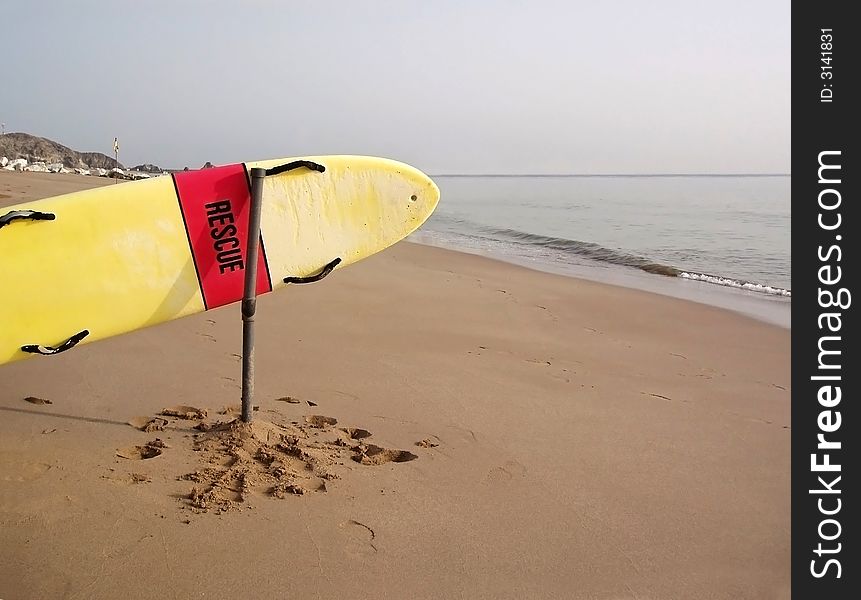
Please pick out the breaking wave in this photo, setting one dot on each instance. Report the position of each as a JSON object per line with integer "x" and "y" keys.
{"x": 617, "y": 257}
{"x": 744, "y": 285}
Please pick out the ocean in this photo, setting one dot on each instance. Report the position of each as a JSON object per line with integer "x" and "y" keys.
{"x": 722, "y": 240}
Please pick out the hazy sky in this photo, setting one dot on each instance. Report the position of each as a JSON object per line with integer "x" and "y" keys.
{"x": 449, "y": 86}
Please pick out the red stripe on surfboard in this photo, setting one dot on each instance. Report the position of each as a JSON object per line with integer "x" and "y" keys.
{"x": 215, "y": 206}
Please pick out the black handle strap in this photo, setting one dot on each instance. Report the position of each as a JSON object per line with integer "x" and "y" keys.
{"x": 312, "y": 278}
{"x": 49, "y": 350}
{"x": 25, "y": 215}
{"x": 296, "y": 164}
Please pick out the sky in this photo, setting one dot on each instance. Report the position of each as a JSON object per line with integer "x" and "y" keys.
{"x": 449, "y": 86}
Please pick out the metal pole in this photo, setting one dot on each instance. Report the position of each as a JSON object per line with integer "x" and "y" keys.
{"x": 249, "y": 297}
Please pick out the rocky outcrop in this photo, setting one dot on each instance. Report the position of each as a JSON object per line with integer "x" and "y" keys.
{"x": 17, "y": 164}
{"x": 148, "y": 168}
{"x": 24, "y": 152}
{"x": 102, "y": 161}
{"x": 36, "y": 149}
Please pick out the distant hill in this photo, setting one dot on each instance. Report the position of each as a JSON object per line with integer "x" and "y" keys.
{"x": 38, "y": 149}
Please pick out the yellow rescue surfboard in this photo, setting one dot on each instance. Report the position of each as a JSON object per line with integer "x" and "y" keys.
{"x": 93, "y": 264}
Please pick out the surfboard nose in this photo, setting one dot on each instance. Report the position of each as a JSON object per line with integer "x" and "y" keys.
{"x": 424, "y": 195}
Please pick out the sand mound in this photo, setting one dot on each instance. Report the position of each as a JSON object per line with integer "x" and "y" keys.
{"x": 184, "y": 412}
{"x": 273, "y": 458}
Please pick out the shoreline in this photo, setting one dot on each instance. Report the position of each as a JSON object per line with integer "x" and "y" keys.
{"x": 773, "y": 310}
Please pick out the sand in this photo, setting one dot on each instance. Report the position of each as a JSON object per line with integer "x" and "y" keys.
{"x": 431, "y": 424}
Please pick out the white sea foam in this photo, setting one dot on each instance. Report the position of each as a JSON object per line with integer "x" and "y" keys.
{"x": 754, "y": 287}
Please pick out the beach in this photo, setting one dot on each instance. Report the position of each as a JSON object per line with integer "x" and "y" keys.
{"x": 576, "y": 440}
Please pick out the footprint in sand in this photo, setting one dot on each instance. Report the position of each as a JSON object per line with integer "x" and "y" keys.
{"x": 13, "y": 468}
{"x": 149, "y": 450}
{"x": 320, "y": 421}
{"x": 375, "y": 455}
{"x": 461, "y": 434}
{"x": 356, "y": 433}
{"x": 504, "y": 473}
{"x": 359, "y": 538}
{"x": 148, "y": 424}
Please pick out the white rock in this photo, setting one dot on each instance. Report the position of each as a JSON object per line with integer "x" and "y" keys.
{"x": 54, "y": 167}
{"x": 118, "y": 173}
{"x": 65, "y": 170}
{"x": 18, "y": 164}
{"x": 82, "y": 171}
{"x": 3, "y": 161}
{"x": 38, "y": 167}
{"x": 8, "y": 168}
{"x": 138, "y": 175}
{"x": 97, "y": 172}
